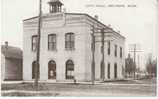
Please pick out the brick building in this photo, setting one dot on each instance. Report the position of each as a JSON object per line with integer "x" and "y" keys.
{"x": 65, "y": 51}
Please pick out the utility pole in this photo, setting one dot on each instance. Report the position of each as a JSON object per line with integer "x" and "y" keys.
{"x": 138, "y": 67}
{"x": 93, "y": 57}
{"x": 138, "y": 62}
{"x": 102, "y": 50}
{"x": 102, "y": 32}
{"x": 38, "y": 46}
{"x": 135, "y": 50}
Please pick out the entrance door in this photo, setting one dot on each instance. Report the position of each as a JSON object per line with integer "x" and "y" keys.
{"x": 51, "y": 70}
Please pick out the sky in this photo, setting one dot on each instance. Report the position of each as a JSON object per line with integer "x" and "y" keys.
{"x": 137, "y": 24}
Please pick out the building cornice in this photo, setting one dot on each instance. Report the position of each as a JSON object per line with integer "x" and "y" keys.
{"x": 84, "y": 14}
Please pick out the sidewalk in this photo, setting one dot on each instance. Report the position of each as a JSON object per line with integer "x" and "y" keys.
{"x": 110, "y": 82}
{"x": 137, "y": 82}
{"x": 49, "y": 81}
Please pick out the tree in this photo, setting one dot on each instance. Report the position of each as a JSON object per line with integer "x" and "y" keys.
{"x": 129, "y": 66}
{"x": 151, "y": 66}
{"x": 155, "y": 67}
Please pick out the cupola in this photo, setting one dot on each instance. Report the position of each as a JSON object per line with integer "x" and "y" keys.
{"x": 55, "y": 6}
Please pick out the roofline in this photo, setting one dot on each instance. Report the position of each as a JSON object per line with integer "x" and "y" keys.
{"x": 97, "y": 21}
{"x": 120, "y": 34}
{"x": 88, "y": 16}
{"x": 30, "y": 18}
{"x": 85, "y": 15}
{"x": 12, "y": 47}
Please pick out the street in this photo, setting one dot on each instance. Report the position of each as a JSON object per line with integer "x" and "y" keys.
{"x": 117, "y": 88}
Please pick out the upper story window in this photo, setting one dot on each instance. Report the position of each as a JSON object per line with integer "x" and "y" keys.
{"x": 52, "y": 42}
{"x": 115, "y": 51}
{"x": 34, "y": 42}
{"x": 69, "y": 41}
{"x": 120, "y": 52}
{"x": 109, "y": 44}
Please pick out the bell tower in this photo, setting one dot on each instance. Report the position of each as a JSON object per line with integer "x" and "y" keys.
{"x": 55, "y": 6}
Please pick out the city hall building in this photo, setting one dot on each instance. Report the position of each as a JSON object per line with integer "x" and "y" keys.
{"x": 66, "y": 47}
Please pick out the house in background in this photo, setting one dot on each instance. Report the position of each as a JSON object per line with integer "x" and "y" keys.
{"x": 11, "y": 63}
{"x": 65, "y": 49}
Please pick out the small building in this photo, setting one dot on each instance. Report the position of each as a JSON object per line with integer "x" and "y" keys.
{"x": 65, "y": 47}
{"x": 11, "y": 63}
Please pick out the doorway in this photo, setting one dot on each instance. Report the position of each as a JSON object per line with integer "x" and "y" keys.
{"x": 51, "y": 70}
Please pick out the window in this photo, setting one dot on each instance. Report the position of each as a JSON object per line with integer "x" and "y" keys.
{"x": 120, "y": 52}
{"x": 115, "y": 50}
{"x": 34, "y": 42}
{"x": 52, "y": 42}
{"x": 108, "y": 70}
{"x": 102, "y": 69}
{"x": 109, "y": 47}
{"x": 69, "y": 41}
{"x": 34, "y": 64}
{"x": 123, "y": 71}
{"x": 115, "y": 70}
{"x": 69, "y": 69}
{"x": 51, "y": 70}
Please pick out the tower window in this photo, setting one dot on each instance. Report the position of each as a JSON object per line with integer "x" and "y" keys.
{"x": 55, "y": 6}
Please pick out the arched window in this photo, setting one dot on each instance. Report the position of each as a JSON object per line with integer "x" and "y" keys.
{"x": 69, "y": 69}
{"x": 51, "y": 70}
{"x": 115, "y": 70}
{"x": 34, "y": 64}
{"x": 69, "y": 41}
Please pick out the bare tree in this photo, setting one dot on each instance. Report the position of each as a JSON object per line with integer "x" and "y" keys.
{"x": 151, "y": 66}
{"x": 129, "y": 66}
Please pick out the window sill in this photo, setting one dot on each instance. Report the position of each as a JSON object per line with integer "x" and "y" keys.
{"x": 33, "y": 51}
{"x": 54, "y": 50}
{"x": 68, "y": 49}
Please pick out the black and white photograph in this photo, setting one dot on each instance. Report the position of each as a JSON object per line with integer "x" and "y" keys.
{"x": 79, "y": 48}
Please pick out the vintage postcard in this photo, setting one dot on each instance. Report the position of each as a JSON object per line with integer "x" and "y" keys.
{"x": 79, "y": 48}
